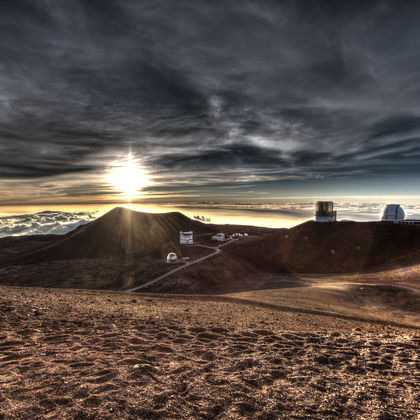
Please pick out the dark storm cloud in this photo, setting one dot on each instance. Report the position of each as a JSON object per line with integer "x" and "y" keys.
{"x": 398, "y": 124}
{"x": 231, "y": 156}
{"x": 217, "y": 91}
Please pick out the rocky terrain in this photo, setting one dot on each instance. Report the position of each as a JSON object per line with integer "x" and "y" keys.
{"x": 103, "y": 355}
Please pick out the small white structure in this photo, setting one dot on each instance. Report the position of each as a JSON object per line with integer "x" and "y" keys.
{"x": 219, "y": 237}
{"x": 171, "y": 258}
{"x": 393, "y": 213}
{"x": 325, "y": 212}
{"x": 186, "y": 238}
{"x": 239, "y": 235}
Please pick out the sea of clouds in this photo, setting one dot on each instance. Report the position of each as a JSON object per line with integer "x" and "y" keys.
{"x": 300, "y": 211}
{"x": 259, "y": 214}
{"x": 45, "y": 222}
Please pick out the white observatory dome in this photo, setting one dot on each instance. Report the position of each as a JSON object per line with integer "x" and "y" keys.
{"x": 393, "y": 213}
{"x": 171, "y": 258}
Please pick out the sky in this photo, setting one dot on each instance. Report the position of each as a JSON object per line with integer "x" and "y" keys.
{"x": 215, "y": 101}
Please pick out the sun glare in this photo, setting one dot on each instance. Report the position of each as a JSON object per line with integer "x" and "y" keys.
{"x": 128, "y": 178}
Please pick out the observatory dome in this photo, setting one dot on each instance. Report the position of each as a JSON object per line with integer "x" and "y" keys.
{"x": 171, "y": 258}
{"x": 393, "y": 213}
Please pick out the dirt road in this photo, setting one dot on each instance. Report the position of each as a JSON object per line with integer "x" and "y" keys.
{"x": 217, "y": 250}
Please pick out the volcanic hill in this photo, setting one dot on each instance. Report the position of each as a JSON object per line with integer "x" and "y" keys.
{"x": 120, "y": 232}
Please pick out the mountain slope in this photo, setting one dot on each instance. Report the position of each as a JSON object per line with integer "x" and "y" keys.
{"x": 332, "y": 247}
{"x": 120, "y": 232}
{"x": 319, "y": 248}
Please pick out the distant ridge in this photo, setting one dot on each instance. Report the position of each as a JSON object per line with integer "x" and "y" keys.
{"x": 333, "y": 247}
{"x": 120, "y": 232}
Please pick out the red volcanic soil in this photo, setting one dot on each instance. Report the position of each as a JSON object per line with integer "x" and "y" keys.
{"x": 120, "y": 232}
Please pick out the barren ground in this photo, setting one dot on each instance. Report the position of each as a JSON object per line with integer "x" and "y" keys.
{"x": 93, "y": 273}
{"x": 97, "y": 355}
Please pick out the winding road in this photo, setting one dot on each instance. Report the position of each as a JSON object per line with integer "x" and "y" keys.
{"x": 217, "y": 250}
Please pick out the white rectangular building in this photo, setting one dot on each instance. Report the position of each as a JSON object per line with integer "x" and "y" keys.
{"x": 186, "y": 238}
{"x": 219, "y": 237}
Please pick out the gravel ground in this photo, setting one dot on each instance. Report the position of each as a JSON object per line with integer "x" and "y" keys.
{"x": 104, "y": 355}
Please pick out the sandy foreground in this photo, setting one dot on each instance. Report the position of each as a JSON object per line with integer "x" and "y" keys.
{"x": 108, "y": 355}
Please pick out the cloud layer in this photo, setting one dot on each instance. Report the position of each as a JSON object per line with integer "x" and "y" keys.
{"x": 304, "y": 209}
{"x": 282, "y": 213}
{"x": 46, "y": 222}
{"x": 210, "y": 93}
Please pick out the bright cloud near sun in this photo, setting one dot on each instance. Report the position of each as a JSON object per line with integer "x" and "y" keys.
{"x": 128, "y": 177}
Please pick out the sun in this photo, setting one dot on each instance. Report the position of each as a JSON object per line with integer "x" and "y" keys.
{"x": 128, "y": 178}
